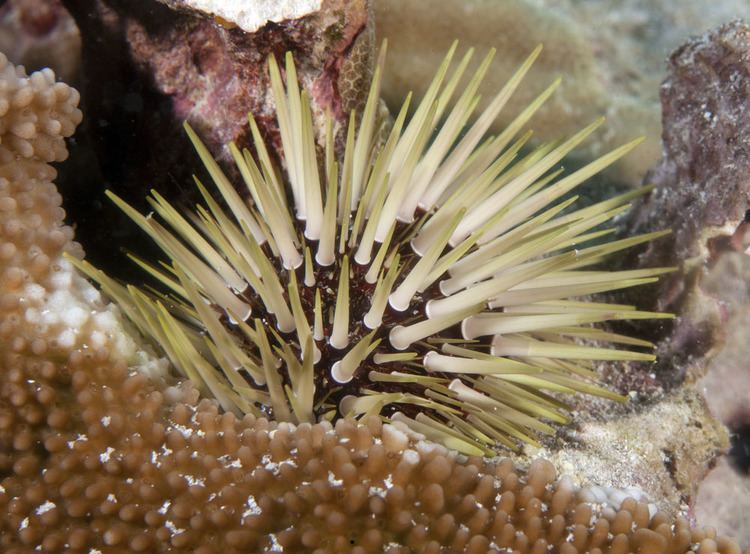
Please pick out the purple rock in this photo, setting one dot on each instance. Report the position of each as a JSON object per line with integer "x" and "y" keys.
{"x": 703, "y": 181}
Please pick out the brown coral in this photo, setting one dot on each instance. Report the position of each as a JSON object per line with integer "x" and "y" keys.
{"x": 129, "y": 469}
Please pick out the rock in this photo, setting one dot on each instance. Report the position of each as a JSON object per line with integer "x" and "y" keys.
{"x": 663, "y": 449}
{"x": 703, "y": 194}
{"x": 150, "y": 66}
{"x": 610, "y": 55}
{"x": 724, "y": 502}
{"x": 250, "y": 18}
{"x": 723, "y": 499}
{"x": 39, "y": 34}
{"x": 703, "y": 183}
{"x": 727, "y": 381}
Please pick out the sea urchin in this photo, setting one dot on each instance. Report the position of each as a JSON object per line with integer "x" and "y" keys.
{"x": 430, "y": 277}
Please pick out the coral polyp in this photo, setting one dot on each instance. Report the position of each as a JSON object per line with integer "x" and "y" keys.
{"x": 436, "y": 277}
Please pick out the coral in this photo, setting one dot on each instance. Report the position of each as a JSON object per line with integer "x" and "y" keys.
{"x": 45, "y": 305}
{"x": 36, "y": 114}
{"x": 128, "y": 469}
{"x": 610, "y": 54}
{"x": 722, "y": 501}
{"x": 727, "y": 384}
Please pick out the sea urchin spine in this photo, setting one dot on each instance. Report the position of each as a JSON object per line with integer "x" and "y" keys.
{"x": 429, "y": 278}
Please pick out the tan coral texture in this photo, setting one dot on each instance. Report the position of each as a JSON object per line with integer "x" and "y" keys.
{"x": 45, "y": 306}
{"x": 98, "y": 457}
{"x": 36, "y": 114}
{"x": 127, "y": 469}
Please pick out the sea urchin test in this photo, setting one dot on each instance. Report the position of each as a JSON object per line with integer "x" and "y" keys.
{"x": 433, "y": 278}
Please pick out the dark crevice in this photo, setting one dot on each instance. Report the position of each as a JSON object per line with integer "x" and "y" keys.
{"x": 739, "y": 454}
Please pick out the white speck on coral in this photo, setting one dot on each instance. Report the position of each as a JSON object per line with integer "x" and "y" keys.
{"x": 24, "y": 523}
{"x": 164, "y": 507}
{"x": 46, "y": 507}
{"x": 173, "y": 528}
{"x": 105, "y": 456}
{"x": 192, "y": 480}
{"x": 376, "y": 491}
{"x": 270, "y": 465}
{"x": 198, "y": 431}
{"x": 252, "y": 507}
{"x": 228, "y": 462}
{"x": 106, "y": 421}
{"x": 275, "y": 545}
{"x": 79, "y": 438}
{"x": 184, "y": 431}
{"x": 333, "y": 481}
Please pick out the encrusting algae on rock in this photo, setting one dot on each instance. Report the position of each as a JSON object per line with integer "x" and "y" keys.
{"x": 97, "y": 453}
